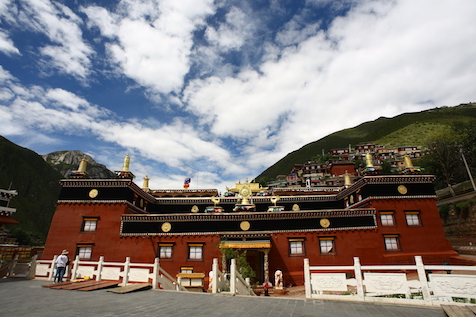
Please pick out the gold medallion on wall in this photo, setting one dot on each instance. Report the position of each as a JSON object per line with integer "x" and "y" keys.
{"x": 325, "y": 223}
{"x": 245, "y": 225}
{"x": 402, "y": 189}
{"x": 93, "y": 193}
{"x": 166, "y": 227}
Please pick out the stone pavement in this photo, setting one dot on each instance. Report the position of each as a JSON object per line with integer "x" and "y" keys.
{"x": 19, "y": 297}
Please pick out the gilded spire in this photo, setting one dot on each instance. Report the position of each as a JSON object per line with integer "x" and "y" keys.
{"x": 368, "y": 159}
{"x": 146, "y": 182}
{"x": 407, "y": 161}
{"x": 82, "y": 165}
{"x": 347, "y": 181}
{"x": 125, "y": 166}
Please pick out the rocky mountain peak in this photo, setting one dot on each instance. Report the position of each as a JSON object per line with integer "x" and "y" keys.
{"x": 67, "y": 161}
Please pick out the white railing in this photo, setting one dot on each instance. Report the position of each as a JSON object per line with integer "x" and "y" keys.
{"x": 412, "y": 284}
{"x": 218, "y": 280}
{"x": 237, "y": 284}
{"x": 126, "y": 271}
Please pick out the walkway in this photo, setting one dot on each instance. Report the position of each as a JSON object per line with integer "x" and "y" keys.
{"x": 28, "y": 298}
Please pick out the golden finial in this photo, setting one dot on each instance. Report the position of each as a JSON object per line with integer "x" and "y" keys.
{"x": 368, "y": 159}
{"x": 347, "y": 181}
{"x": 146, "y": 182}
{"x": 82, "y": 165}
{"x": 408, "y": 161}
{"x": 125, "y": 165}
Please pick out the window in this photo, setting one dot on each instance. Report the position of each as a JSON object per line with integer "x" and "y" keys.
{"x": 413, "y": 218}
{"x": 187, "y": 269}
{"x": 165, "y": 250}
{"x": 387, "y": 218}
{"x": 296, "y": 247}
{"x": 195, "y": 252}
{"x": 84, "y": 251}
{"x": 392, "y": 242}
{"x": 327, "y": 245}
{"x": 89, "y": 224}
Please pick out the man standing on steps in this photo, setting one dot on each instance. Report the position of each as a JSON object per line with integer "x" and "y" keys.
{"x": 61, "y": 263}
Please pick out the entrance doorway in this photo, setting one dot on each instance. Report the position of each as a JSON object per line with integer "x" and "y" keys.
{"x": 256, "y": 260}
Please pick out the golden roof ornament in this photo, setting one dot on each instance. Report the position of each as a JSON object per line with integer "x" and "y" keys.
{"x": 82, "y": 165}
{"x": 146, "y": 182}
{"x": 408, "y": 161}
{"x": 125, "y": 165}
{"x": 368, "y": 159}
{"x": 245, "y": 193}
{"x": 347, "y": 181}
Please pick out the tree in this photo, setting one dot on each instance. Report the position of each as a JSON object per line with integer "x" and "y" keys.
{"x": 444, "y": 159}
{"x": 244, "y": 268}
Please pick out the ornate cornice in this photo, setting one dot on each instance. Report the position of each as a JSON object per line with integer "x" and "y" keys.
{"x": 235, "y": 234}
{"x": 7, "y": 211}
{"x": 368, "y": 199}
{"x": 108, "y": 183}
{"x": 386, "y": 179}
{"x": 251, "y": 216}
{"x": 132, "y": 207}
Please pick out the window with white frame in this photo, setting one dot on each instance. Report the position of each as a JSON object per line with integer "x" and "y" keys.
{"x": 387, "y": 218}
{"x": 392, "y": 242}
{"x": 84, "y": 252}
{"x": 165, "y": 250}
{"x": 195, "y": 252}
{"x": 296, "y": 247}
{"x": 413, "y": 218}
{"x": 327, "y": 245}
{"x": 89, "y": 224}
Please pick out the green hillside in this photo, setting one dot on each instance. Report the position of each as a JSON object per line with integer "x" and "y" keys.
{"x": 405, "y": 129}
{"x": 38, "y": 189}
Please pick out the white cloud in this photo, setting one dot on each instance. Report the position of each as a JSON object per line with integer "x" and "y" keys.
{"x": 6, "y": 44}
{"x": 153, "y": 40}
{"x": 68, "y": 54}
{"x": 233, "y": 32}
{"x": 382, "y": 58}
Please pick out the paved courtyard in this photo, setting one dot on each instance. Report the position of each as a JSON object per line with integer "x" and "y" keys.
{"x": 29, "y": 298}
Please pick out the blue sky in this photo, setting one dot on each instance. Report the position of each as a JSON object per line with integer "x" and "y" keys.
{"x": 220, "y": 90}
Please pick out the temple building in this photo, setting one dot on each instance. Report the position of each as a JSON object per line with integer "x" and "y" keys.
{"x": 382, "y": 219}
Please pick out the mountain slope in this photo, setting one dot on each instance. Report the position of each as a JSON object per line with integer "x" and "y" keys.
{"x": 38, "y": 188}
{"x": 400, "y": 130}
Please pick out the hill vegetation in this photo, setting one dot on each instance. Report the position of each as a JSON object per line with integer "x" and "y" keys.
{"x": 38, "y": 189}
{"x": 403, "y": 130}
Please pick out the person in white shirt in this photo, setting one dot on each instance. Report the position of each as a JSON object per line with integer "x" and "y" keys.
{"x": 61, "y": 263}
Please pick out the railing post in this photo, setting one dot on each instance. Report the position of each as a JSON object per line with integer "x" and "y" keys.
{"x": 100, "y": 265}
{"x": 214, "y": 280}
{"x": 32, "y": 270}
{"x": 307, "y": 278}
{"x": 14, "y": 264}
{"x": 358, "y": 278}
{"x": 156, "y": 273}
{"x": 53, "y": 267}
{"x": 422, "y": 277}
{"x": 75, "y": 268}
{"x": 233, "y": 277}
{"x": 127, "y": 267}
